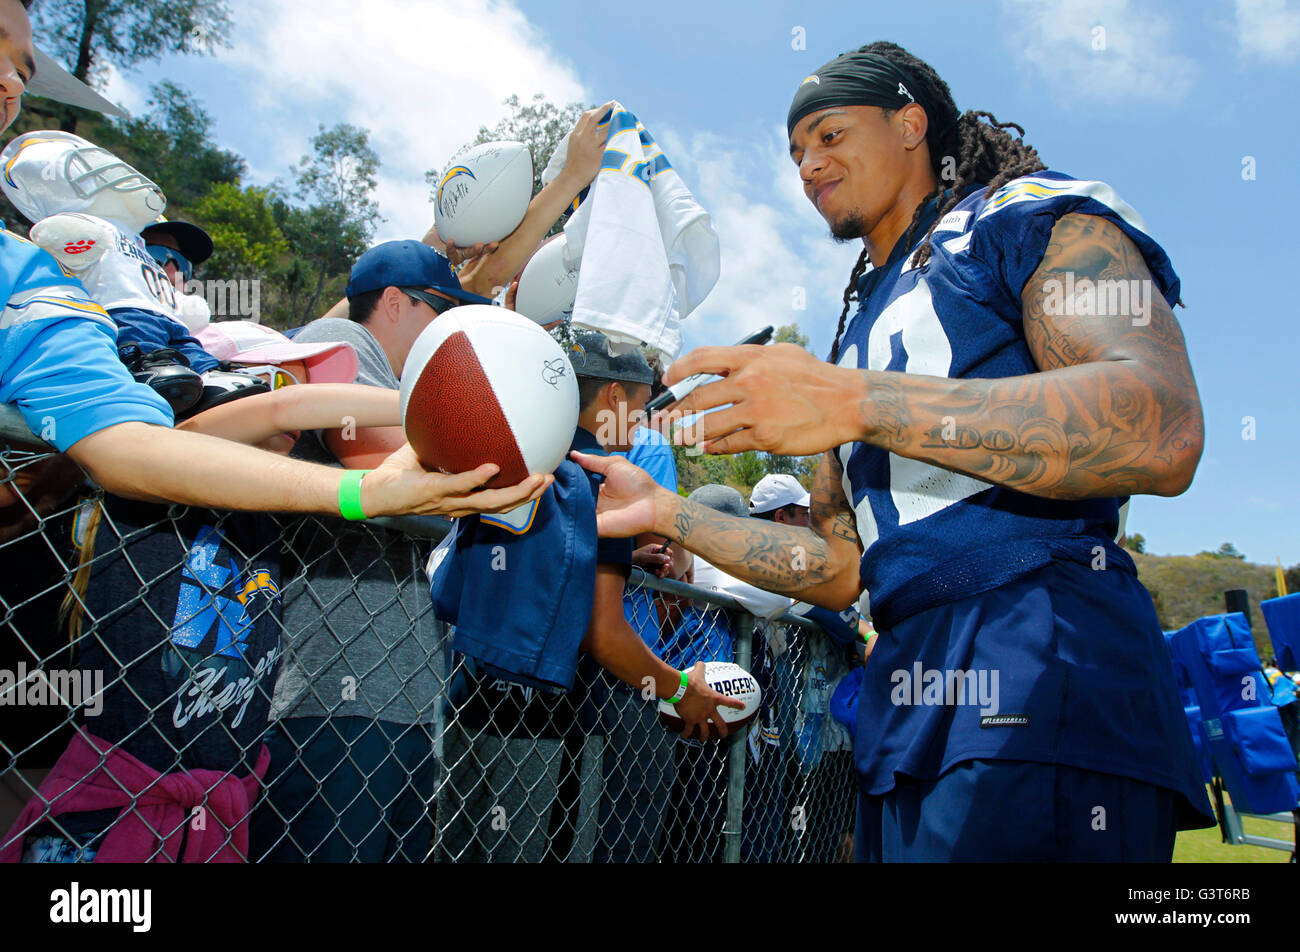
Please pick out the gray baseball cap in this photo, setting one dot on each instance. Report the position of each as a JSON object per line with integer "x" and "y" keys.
{"x": 590, "y": 355}
{"x": 721, "y": 498}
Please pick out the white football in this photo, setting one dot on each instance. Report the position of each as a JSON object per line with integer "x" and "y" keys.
{"x": 484, "y": 385}
{"x": 484, "y": 193}
{"x": 547, "y": 287}
{"x": 729, "y": 680}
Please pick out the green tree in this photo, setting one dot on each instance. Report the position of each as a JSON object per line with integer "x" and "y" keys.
{"x": 791, "y": 334}
{"x": 1225, "y": 551}
{"x": 337, "y": 219}
{"x": 249, "y": 243}
{"x": 341, "y": 174}
{"x": 91, "y": 34}
{"x": 1135, "y": 542}
{"x": 748, "y": 467}
{"x": 173, "y": 145}
{"x": 540, "y": 125}
{"x": 325, "y": 245}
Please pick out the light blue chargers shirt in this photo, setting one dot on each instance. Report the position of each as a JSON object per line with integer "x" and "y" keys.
{"x": 58, "y": 353}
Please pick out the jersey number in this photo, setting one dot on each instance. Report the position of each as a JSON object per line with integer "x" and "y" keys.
{"x": 158, "y": 285}
{"x": 917, "y": 489}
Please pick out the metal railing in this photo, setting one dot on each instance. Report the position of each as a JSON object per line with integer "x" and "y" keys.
{"x": 152, "y": 653}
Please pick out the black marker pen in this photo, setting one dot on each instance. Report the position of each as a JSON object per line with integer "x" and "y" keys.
{"x": 679, "y": 390}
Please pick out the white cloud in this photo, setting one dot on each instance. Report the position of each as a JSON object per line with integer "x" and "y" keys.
{"x": 116, "y": 88}
{"x": 421, "y": 76}
{"x": 772, "y": 240}
{"x": 1099, "y": 50}
{"x": 1268, "y": 30}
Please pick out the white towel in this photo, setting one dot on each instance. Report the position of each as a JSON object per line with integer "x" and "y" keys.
{"x": 647, "y": 250}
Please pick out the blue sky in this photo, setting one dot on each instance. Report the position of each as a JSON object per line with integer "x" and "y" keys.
{"x": 1166, "y": 111}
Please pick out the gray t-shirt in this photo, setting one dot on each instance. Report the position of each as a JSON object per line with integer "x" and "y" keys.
{"x": 360, "y": 637}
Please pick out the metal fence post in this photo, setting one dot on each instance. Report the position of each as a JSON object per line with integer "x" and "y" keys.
{"x": 737, "y": 751}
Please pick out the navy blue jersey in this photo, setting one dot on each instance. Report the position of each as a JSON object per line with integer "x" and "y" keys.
{"x": 931, "y": 535}
{"x": 521, "y": 599}
{"x": 1066, "y": 665}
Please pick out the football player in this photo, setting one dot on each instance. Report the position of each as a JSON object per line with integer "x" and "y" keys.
{"x": 1013, "y": 371}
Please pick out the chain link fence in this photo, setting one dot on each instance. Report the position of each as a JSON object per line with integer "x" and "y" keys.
{"x": 185, "y": 684}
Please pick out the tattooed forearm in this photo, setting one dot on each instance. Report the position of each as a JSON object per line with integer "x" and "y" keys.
{"x": 818, "y": 564}
{"x": 1114, "y": 411}
{"x": 762, "y": 553}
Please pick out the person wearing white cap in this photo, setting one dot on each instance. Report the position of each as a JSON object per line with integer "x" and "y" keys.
{"x": 780, "y": 498}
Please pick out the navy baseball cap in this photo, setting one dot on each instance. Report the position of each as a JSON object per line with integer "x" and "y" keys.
{"x": 406, "y": 264}
{"x": 191, "y": 240}
{"x": 591, "y": 356}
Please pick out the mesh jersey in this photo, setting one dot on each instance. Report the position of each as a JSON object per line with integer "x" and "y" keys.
{"x": 931, "y": 535}
{"x": 126, "y": 275}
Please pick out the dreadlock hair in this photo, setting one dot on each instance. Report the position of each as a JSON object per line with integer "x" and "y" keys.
{"x": 981, "y": 152}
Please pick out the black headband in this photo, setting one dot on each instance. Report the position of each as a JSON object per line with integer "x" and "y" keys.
{"x": 857, "y": 79}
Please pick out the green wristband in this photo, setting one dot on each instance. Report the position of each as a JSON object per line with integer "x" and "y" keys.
{"x": 350, "y": 494}
{"x": 681, "y": 691}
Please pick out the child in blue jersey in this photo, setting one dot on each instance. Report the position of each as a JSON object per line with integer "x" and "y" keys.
{"x": 1014, "y": 371}
{"x": 561, "y": 588}
{"x": 528, "y": 593}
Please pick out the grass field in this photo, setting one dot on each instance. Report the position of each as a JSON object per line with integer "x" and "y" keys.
{"x": 1206, "y": 846}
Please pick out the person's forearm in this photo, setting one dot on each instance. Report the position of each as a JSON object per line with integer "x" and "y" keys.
{"x": 497, "y": 269}
{"x": 1093, "y": 430}
{"x": 255, "y": 419}
{"x": 787, "y": 560}
{"x": 339, "y": 310}
{"x": 331, "y": 406}
{"x": 155, "y": 464}
{"x": 620, "y": 651}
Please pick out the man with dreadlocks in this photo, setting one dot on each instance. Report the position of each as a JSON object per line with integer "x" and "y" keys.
{"x": 993, "y": 402}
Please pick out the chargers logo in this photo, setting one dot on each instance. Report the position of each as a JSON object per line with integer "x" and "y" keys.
{"x": 9, "y": 166}
{"x": 451, "y": 174}
{"x": 814, "y": 78}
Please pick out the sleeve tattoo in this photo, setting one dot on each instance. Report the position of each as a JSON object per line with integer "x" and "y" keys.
{"x": 1113, "y": 411}
{"x": 787, "y": 560}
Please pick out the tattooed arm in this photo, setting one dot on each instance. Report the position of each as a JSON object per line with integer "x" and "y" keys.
{"x": 818, "y": 564}
{"x": 1113, "y": 411}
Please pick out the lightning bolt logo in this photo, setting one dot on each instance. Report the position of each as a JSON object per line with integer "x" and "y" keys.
{"x": 450, "y": 174}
